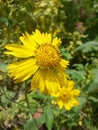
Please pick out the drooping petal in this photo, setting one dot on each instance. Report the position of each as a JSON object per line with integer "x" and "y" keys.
{"x": 19, "y": 51}
{"x": 61, "y": 76}
{"x": 52, "y": 81}
{"x": 35, "y": 81}
{"x": 42, "y": 85}
{"x": 39, "y": 79}
{"x": 47, "y": 80}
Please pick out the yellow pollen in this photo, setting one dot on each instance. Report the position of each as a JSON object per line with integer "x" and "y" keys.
{"x": 47, "y": 55}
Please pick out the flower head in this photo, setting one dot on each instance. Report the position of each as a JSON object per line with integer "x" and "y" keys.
{"x": 66, "y": 96}
{"x": 40, "y": 57}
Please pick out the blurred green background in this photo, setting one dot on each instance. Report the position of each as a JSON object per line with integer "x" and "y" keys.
{"x": 76, "y": 23}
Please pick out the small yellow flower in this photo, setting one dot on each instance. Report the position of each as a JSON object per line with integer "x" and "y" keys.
{"x": 40, "y": 57}
{"x": 66, "y": 96}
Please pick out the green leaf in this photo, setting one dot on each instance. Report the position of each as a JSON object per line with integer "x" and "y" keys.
{"x": 76, "y": 75}
{"x": 48, "y": 113}
{"x": 94, "y": 83}
{"x": 41, "y": 120}
{"x": 79, "y": 66}
{"x": 88, "y": 123}
{"x": 65, "y": 53}
{"x": 93, "y": 87}
{"x": 4, "y": 100}
{"x": 31, "y": 125}
{"x": 3, "y": 67}
{"x": 82, "y": 101}
{"x": 95, "y": 72}
{"x": 88, "y": 47}
{"x": 93, "y": 99}
{"x": 37, "y": 95}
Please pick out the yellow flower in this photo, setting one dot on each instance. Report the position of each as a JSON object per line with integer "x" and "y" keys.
{"x": 66, "y": 96}
{"x": 40, "y": 57}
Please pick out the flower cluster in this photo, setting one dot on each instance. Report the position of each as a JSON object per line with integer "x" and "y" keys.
{"x": 41, "y": 58}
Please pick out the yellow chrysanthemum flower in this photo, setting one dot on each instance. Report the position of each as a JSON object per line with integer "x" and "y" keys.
{"x": 66, "y": 96}
{"x": 41, "y": 58}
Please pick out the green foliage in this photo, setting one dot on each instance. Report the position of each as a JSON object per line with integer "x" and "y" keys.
{"x": 31, "y": 124}
{"x": 49, "y": 117}
{"x": 88, "y": 46}
{"x": 76, "y": 23}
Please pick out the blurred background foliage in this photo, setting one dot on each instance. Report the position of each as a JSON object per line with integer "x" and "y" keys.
{"x": 76, "y": 23}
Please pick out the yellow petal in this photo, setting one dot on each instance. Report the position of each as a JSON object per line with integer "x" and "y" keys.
{"x": 23, "y": 70}
{"x": 70, "y": 85}
{"x": 60, "y": 104}
{"x": 61, "y": 78}
{"x": 74, "y": 102}
{"x": 42, "y": 85}
{"x": 67, "y": 106}
{"x": 28, "y": 41}
{"x": 56, "y": 42}
{"x": 18, "y": 51}
{"x": 37, "y": 36}
{"x": 76, "y": 92}
{"x": 52, "y": 82}
{"x": 64, "y": 63}
{"x": 35, "y": 80}
{"x": 46, "y": 38}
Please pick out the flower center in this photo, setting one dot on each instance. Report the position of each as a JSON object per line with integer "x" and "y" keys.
{"x": 65, "y": 95}
{"x": 47, "y": 55}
